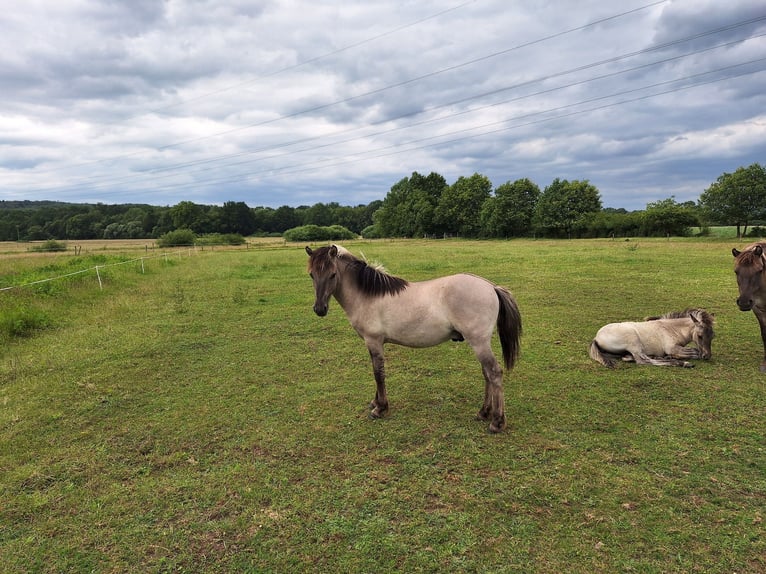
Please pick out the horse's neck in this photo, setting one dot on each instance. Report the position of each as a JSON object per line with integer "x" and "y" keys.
{"x": 346, "y": 293}
{"x": 681, "y": 327}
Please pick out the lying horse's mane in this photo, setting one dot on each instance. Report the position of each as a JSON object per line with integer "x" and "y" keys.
{"x": 700, "y": 314}
{"x": 370, "y": 279}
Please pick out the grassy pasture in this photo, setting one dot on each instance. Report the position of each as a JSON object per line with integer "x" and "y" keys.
{"x": 197, "y": 416}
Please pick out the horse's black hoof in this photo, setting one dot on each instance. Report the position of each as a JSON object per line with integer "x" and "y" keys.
{"x": 377, "y": 413}
{"x": 497, "y": 425}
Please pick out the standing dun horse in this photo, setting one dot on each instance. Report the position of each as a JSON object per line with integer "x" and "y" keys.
{"x": 750, "y": 267}
{"x": 656, "y": 341}
{"x": 386, "y": 309}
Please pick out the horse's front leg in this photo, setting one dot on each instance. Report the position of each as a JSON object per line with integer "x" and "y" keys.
{"x": 379, "y": 404}
{"x": 760, "y": 314}
{"x": 643, "y": 359}
{"x": 679, "y": 352}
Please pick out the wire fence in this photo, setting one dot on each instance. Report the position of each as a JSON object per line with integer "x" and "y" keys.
{"x": 97, "y": 270}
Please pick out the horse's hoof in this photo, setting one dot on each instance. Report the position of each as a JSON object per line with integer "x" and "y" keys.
{"x": 688, "y": 365}
{"x": 377, "y": 413}
{"x": 497, "y": 425}
{"x": 482, "y": 415}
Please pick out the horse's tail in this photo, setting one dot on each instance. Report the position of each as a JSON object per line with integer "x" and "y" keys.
{"x": 599, "y": 356}
{"x": 508, "y": 326}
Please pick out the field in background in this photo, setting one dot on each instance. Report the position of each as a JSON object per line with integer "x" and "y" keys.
{"x": 195, "y": 415}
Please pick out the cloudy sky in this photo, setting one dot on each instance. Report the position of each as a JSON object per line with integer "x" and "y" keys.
{"x": 294, "y": 102}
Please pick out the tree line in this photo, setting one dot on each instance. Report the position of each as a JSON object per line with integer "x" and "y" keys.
{"x": 44, "y": 220}
{"x": 416, "y": 206}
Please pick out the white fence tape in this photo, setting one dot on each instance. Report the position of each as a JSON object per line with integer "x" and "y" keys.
{"x": 96, "y": 269}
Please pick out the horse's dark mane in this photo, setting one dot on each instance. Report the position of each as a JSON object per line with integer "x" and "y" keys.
{"x": 372, "y": 281}
{"x": 700, "y": 314}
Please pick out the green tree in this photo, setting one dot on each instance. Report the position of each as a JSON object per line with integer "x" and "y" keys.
{"x": 189, "y": 215}
{"x": 264, "y": 219}
{"x": 509, "y": 212}
{"x": 84, "y": 226}
{"x": 236, "y": 217}
{"x": 460, "y": 205}
{"x": 320, "y": 214}
{"x": 409, "y": 207}
{"x": 565, "y": 207}
{"x": 615, "y": 222}
{"x": 737, "y": 198}
{"x": 666, "y": 217}
{"x": 284, "y": 218}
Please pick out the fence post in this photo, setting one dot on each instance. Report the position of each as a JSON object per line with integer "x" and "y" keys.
{"x": 100, "y": 285}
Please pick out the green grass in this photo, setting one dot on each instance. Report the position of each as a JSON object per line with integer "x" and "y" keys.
{"x": 200, "y": 417}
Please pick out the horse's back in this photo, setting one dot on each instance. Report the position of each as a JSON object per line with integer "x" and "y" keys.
{"x": 460, "y": 291}
{"x": 616, "y": 337}
{"x": 468, "y": 303}
{"x": 650, "y": 337}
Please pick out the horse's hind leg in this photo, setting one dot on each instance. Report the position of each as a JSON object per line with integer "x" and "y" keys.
{"x": 379, "y": 404}
{"x": 493, "y": 408}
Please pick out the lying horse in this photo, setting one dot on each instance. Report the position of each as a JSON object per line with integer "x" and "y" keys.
{"x": 656, "y": 341}
{"x": 386, "y": 309}
{"x": 750, "y": 267}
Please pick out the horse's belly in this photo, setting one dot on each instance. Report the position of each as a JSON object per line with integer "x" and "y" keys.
{"x": 420, "y": 334}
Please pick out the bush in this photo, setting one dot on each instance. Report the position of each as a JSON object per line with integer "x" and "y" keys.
{"x": 318, "y": 233}
{"x": 372, "y": 232}
{"x": 21, "y": 322}
{"x": 50, "y": 245}
{"x": 221, "y": 239}
{"x": 177, "y": 238}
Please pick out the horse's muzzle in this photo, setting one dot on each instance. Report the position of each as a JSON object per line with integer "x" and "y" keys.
{"x": 745, "y": 305}
{"x": 321, "y": 311}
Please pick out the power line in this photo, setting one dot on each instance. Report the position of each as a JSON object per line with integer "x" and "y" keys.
{"x": 315, "y": 165}
{"x": 296, "y": 168}
{"x": 308, "y": 61}
{"x": 526, "y": 120}
{"x": 462, "y": 100}
{"x": 381, "y": 89}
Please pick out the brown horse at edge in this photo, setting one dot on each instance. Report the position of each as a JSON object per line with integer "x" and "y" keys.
{"x": 750, "y": 268}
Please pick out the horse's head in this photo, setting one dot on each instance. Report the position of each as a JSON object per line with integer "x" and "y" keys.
{"x": 323, "y": 268}
{"x": 702, "y": 334}
{"x": 749, "y": 266}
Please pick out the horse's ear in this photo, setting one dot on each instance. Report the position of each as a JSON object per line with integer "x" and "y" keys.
{"x": 694, "y": 318}
{"x": 309, "y": 251}
{"x": 333, "y": 250}
{"x": 735, "y": 252}
{"x": 758, "y": 251}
